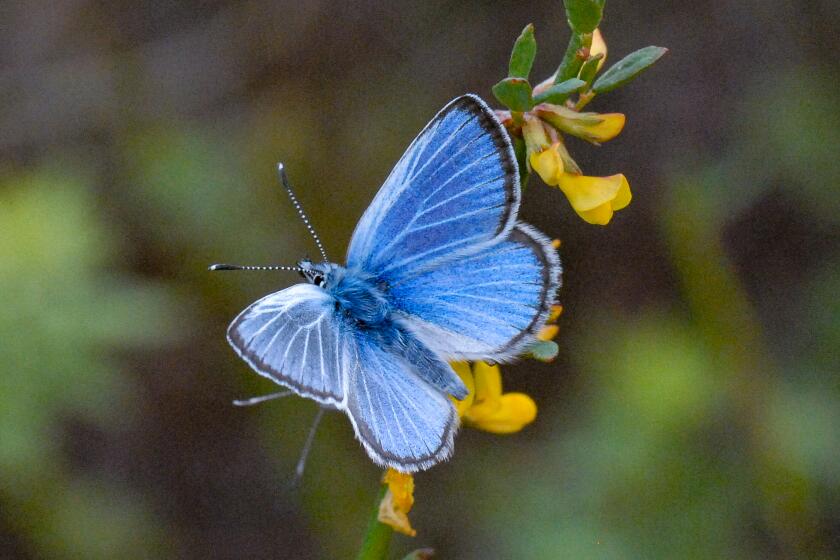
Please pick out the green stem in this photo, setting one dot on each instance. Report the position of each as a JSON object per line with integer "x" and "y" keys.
{"x": 572, "y": 60}
{"x": 378, "y": 535}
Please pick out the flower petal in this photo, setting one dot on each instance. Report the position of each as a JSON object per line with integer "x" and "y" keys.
{"x": 610, "y": 126}
{"x": 599, "y": 216}
{"x": 390, "y": 515}
{"x": 488, "y": 381}
{"x": 516, "y": 411}
{"x": 548, "y": 165}
{"x": 465, "y": 373}
{"x": 587, "y": 193}
{"x": 548, "y": 332}
{"x": 401, "y": 486}
{"x": 623, "y": 197}
{"x": 397, "y": 502}
{"x": 599, "y": 46}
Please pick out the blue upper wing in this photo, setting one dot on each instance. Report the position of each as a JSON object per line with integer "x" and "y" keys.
{"x": 485, "y": 305}
{"x": 402, "y": 421}
{"x": 295, "y": 338}
{"x": 454, "y": 190}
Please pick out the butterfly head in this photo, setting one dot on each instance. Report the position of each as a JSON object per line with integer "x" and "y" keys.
{"x": 316, "y": 273}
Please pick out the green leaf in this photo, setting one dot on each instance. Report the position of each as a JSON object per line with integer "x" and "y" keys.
{"x": 514, "y": 93}
{"x": 571, "y": 63}
{"x": 544, "y": 350}
{"x": 523, "y": 54}
{"x": 590, "y": 68}
{"x": 628, "y": 68}
{"x": 558, "y": 93}
{"x": 584, "y": 15}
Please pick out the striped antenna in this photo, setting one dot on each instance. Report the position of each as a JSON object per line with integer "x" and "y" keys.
{"x": 284, "y": 180}
{"x": 239, "y": 267}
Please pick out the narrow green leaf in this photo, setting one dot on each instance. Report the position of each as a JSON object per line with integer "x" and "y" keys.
{"x": 571, "y": 63}
{"x": 514, "y": 93}
{"x": 558, "y": 93}
{"x": 544, "y": 350}
{"x": 523, "y": 54}
{"x": 628, "y": 68}
{"x": 590, "y": 68}
{"x": 584, "y": 15}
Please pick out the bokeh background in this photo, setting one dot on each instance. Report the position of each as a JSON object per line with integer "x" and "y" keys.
{"x": 693, "y": 411}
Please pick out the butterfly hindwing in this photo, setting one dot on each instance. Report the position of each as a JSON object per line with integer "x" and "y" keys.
{"x": 455, "y": 189}
{"x": 295, "y": 338}
{"x": 486, "y": 305}
{"x": 402, "y": 421}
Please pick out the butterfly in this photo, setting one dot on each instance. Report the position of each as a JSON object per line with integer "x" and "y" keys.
{"x": 439, "y": 268}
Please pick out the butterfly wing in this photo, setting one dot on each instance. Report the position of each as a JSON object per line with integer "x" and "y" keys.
{"x": 455, "y": 189}
{"x": 402, "y": 421}
{"x": 486, "y": 305}
{"x": 295, "y": 338}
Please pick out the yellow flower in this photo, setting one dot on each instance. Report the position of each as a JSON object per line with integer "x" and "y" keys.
{"x": 550, "y": 329}
{"x": 596, "y": 198}
{"x": 398, "y": 500}
{"x": 599, "y": 46}
{"x": 486, "y": 407}
{"x": 592, "y": 127}
{"x": 547, "y": 164}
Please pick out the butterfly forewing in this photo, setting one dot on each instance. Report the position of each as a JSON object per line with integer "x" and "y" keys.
{"x": 296, "y": 338}
{"x": 454, "y": 190}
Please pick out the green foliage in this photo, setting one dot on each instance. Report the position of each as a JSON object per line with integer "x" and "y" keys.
{"x": 514, "y": 93}
{"x": 584, "y": 16}
{"x": 628, "y": 68}
{"x": 590, "y": 68}
{"x": 523, "y": 54}
{"x": 559, "y": 93}
{"x": 63, "y": 313}
{"x": 572, "y": 61}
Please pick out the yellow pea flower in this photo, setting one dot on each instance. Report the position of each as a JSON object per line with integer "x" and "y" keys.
{"x": 592, "y": 127}
{"x": 550, "y": 329}
{"x": 599, "y": 46}
{"x": 595, "y": 199}
{"x": 548, "y": 165}
{"x": 487, "y": 407}
{"x": 398, "y": 500}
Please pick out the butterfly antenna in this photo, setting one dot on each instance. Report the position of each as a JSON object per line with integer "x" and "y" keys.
{"x": 284, "y": 180}
{"x": 304, "y": 454}
{"x": 214, "y": 267}
{"x": 261, "y": 399}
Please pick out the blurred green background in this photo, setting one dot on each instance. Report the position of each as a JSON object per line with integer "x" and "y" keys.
{"x": 693, "y": 411}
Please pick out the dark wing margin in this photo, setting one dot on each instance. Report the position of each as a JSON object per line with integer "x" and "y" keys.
{"x": 454, "y": 190}
{"x": 294, "y": 338}
{"x": 487, "y": 305}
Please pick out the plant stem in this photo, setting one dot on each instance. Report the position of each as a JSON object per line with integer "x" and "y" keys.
{"x": 378, "y": 535}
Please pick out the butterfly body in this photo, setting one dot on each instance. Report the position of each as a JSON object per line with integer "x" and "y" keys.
{"x": 439, "y": 268}
{"x": 362, "y": 302}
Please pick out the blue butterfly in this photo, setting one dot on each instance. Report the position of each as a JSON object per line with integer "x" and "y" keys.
{"x": 439, "y": 268}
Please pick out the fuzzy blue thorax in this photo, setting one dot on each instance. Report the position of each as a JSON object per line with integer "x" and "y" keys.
{"x": 363, "y": 299}
{"x": 356, "y": 293}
